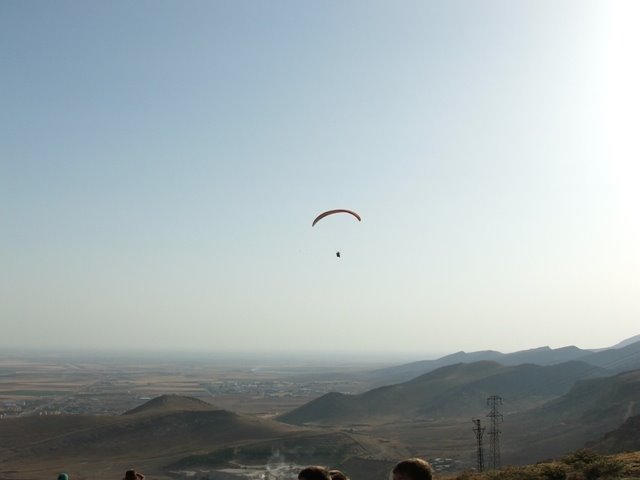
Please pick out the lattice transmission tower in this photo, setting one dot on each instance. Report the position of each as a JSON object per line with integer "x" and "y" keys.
{"x": 495, "y": 418}
{"x": 479, "y": 431}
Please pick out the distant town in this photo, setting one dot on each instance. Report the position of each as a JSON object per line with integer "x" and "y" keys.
{"x": 48, "y": 388}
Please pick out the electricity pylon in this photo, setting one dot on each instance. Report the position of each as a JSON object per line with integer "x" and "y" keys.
{"x": 479, "y": 431}
{"x": 494, "y": 431}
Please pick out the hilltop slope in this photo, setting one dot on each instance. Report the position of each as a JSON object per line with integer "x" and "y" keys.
{"x": 623, "y": 439}
{"x": 171, "y": 403}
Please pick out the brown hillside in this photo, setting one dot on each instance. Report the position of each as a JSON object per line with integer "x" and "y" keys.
{"x": 171, "y": 433}
{"x": 16, "y": 433}
{"x": 165, "y": 432}
{"x": 149, "y": 438}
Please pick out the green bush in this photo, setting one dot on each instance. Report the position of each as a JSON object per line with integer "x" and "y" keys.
{"x": 580, "y": 465}
{"x": 581, "y": 457}
{"x": 589, "y": 465}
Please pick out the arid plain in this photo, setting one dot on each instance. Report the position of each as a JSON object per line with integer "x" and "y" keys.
{"x": 78, "y": 384}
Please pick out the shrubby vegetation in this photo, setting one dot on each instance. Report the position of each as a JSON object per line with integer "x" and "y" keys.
{"x": 579, "y": 465}
{"x": 589, "y": 465}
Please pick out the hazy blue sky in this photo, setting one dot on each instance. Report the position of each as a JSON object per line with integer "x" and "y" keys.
{"x": 161, "y": 163}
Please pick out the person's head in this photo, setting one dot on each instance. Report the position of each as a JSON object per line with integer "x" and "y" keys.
{"x": 132, "y": 475}
{"x": 337, "y": 475}
{"x": 63, "y": 476}
{"x": 412, "y": 469}
{"x": 314, "y": 473}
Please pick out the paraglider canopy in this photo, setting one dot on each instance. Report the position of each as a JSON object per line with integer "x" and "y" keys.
{"x": 332, "y": 212}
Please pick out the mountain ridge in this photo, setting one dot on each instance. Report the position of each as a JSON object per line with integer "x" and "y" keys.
{"x": 451, "y": 390}
{"x": 624, "y": 355}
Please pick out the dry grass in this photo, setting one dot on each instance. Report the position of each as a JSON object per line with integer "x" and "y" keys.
{"x": 581, "y": 465}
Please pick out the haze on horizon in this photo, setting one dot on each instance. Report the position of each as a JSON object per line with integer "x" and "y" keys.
{"x": 161, "y": 163}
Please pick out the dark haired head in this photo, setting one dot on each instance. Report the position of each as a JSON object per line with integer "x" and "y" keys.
{"x": 133, "y": 475}
{"x": 314, "y": 473}
{"x": 337, "y": 475}
{"x": 412, "y": 469}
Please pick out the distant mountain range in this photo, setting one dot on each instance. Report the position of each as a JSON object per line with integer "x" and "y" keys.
{"x": 628, "y": 341}
{"x": 623, "y": 356}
